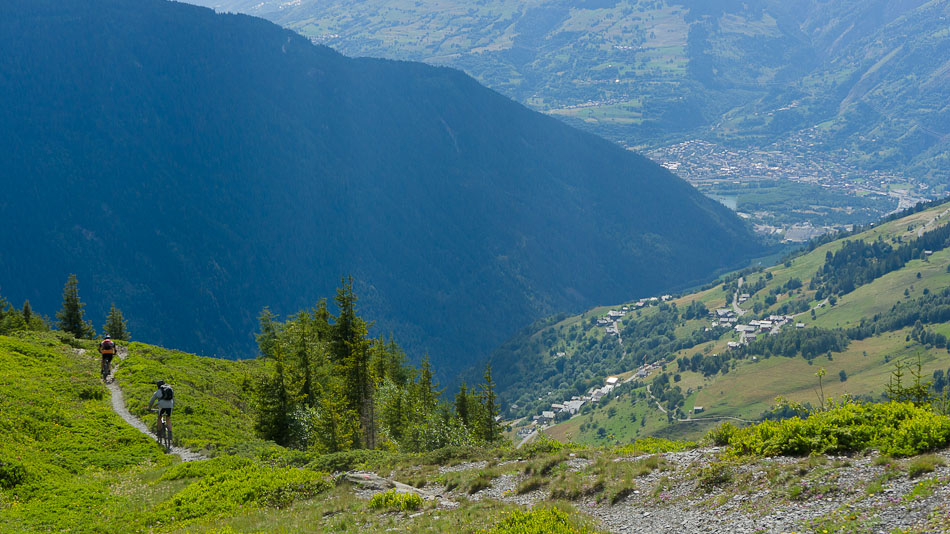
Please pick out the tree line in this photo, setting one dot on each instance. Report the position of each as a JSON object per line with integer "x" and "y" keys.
{"x": 69, "y": 319}
{"x": 859, "y": 262}
{"x": 330, "y": 387}
{"x": 931, "y": 308}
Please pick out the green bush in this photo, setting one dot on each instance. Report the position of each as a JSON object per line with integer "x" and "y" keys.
{"x": 229, "y": 489}
{"x": 538, "y": 521}
{"x": 206, "y": 468}
{"x": 12, "y": 474}
{"x": 394, "y": 500}
{"x": 895, "y": 428}
{"x": 339, "y": 462}
{"x": 716, "y": 474}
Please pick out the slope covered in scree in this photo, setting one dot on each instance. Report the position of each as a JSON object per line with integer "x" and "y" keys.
{"x": 195, "y": 167}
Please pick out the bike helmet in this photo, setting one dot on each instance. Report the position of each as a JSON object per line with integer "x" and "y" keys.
{"x": 107, "y": 336}
{"x": 159, "y": 383}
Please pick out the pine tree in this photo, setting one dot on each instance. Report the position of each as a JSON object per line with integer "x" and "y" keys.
{"x": 27, "y": 312}
{"x": 267, "y": 339}
{"x": 71, "y": 315}
{"x": 274, "y": 404}
{"x": 461, "y": 405}
{"x": 334, "y": 428}
{"x": 490, "y": 429}
{"x": 426, "y": 394}
{"x": 350, "y": 351}
{"x": 115, "y": 325}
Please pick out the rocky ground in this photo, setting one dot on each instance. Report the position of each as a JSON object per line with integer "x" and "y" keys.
{"x": 705, "y": 491}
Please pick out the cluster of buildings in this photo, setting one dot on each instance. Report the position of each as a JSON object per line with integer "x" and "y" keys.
{"x": 749, "y": 331}
{"x": 611, "y": 322}
{"x": 707, "y": 165}
{"x": 571, "y": 407}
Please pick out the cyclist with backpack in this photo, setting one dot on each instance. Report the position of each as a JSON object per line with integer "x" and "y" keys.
{"x": 107, "y": 351}
{"x": 164, "y": 397}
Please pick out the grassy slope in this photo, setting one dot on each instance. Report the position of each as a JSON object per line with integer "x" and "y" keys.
{"x": 752, "y": 387}
{"x": 75, "y": 455}
{"x": 68, "y": 463}
{"x": 211, "y": 401}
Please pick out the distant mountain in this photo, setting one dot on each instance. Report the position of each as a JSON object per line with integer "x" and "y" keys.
{"x": 863, "y": 82}
{"x": 194, "y": 167}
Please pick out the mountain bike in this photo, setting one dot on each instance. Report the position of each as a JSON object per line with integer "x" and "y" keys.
{"x": 106, "y": 369}
{"x": 163, "y": 433}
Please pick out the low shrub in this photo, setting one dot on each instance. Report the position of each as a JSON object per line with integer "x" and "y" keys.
{"x": 926, "y": 463}
{"x": 480, "y": 482}
{"x": 538, "y": 521}
{"x": 12, "y": 474}
{"x": 227, "y": 490}
{"x": 895, "y": 428}
{"x": 716, "y": 474}
{"x": 394, "y": 500}
{"x": 204, "y": 468}
{"x": 544, "y": 445}
{"x": 652, "y": 445}
{"x": 339, "y": 462}
{"x": 530, "y": 484}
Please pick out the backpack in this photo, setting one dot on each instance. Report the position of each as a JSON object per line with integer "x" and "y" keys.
{"x": 167, "y": 393}
{"x": 107, "y": 346}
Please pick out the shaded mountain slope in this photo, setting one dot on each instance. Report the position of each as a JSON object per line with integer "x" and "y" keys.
{"x": 860, "y": 81}
{"x": 195, "y": 167}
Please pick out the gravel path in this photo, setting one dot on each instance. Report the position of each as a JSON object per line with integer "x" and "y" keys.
{"x": 118, "y": 404}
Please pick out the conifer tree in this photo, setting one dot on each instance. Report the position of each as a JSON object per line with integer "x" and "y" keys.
{"x": 274, "y": 404}
{"x": 71, "y": 315}
{"x": 491, "y": 429}
{"x": 425, "y": 390}
{"x": 115, "y": 324}
{"x": 267, "y": 338}
{"x": 461, "y": 405}
{"x": 27, "y": 312}
{"x": 350, "y": 351}
{"x": 335, "y": 427}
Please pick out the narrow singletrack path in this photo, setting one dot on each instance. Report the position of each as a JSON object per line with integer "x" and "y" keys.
{"x": 118, "y": 405}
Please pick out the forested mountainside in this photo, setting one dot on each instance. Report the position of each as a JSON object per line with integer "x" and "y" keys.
{"x": 837, "y": 320}
{"x": 861, "y": 82}
{"x": 194, "y": 167}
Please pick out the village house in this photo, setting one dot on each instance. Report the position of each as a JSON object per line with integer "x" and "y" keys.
{"x": 574, "y": 406}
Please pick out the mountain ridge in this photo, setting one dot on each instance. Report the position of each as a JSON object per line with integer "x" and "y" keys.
{"x": 233, "y": 165}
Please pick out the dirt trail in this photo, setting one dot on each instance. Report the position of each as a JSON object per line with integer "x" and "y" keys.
{"x": 118, "y": 404}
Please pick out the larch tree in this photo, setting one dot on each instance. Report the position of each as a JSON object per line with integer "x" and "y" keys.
{"x": 70, "y": 317}
{"x": 115, "y": 324}
{"x": 491, "y": 430}
{"x": 350, "y": 351}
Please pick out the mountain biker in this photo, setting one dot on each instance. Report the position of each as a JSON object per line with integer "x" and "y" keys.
{"x": 165, "y": 405}
{"x": 107, "y": 350}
